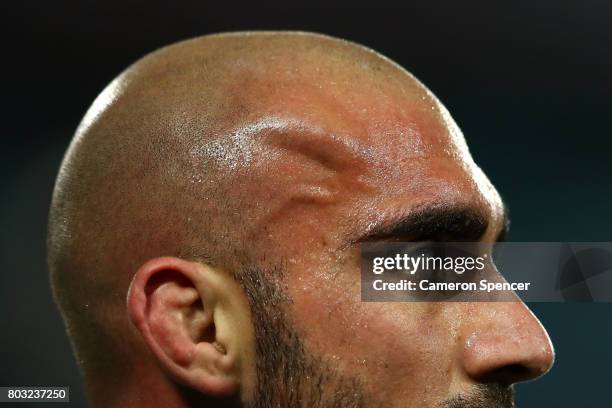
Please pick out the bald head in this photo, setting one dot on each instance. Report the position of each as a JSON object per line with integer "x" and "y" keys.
{"x": 158, "y": 164}
{"x": 235, "y": 150}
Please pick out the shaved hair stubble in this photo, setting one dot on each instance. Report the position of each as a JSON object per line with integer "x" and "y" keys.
{"x": 164, "y": 163}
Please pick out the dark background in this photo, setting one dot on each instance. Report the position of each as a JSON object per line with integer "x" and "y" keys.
{"x": 528, "y": 82}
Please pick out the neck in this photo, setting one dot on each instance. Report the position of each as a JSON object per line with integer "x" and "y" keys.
{"x": 152, "y": 389}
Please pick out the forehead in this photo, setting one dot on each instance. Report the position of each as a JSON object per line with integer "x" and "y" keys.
{"x": 351, "y": 155}
{"x": 383, "y": 120}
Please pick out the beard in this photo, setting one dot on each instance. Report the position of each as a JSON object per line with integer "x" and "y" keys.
{"x": 483, "y": 396}
{"x": 289, "y": 377}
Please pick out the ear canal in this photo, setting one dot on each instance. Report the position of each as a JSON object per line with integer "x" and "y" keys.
{"x": 219, "y": 347}
{"x": 204, "y": 330}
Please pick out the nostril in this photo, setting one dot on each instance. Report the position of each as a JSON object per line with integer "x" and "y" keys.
{"x": 508, "y": 374}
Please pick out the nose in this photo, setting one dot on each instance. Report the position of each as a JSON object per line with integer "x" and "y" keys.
{"x": 510, "y": 347}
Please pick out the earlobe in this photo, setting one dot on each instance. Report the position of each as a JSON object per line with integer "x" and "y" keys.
{"x": 173, "y": 302}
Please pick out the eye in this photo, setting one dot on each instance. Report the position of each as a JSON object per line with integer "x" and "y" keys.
{"x": 410, "y": 256}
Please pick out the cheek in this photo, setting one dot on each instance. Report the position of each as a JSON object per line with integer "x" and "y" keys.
{"x": 406, "y": 346}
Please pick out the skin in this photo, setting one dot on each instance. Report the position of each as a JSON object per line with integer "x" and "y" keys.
{"x": 280, "y": 151}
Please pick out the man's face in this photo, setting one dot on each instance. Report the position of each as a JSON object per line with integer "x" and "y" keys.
{"x": 359, "y": 169}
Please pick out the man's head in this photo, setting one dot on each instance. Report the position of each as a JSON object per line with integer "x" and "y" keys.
{"x": 223, "y": 185}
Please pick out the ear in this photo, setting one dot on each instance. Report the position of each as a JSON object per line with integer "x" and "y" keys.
{"x": 196, "y": 321}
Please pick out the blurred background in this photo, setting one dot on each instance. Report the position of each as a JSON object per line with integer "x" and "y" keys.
{"x": 528, "y": 82}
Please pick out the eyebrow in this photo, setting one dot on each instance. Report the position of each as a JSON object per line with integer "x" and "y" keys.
{"x": 435, "y": 222}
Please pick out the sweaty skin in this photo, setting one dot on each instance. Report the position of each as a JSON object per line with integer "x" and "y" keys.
{"x": 274, "y": 149}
